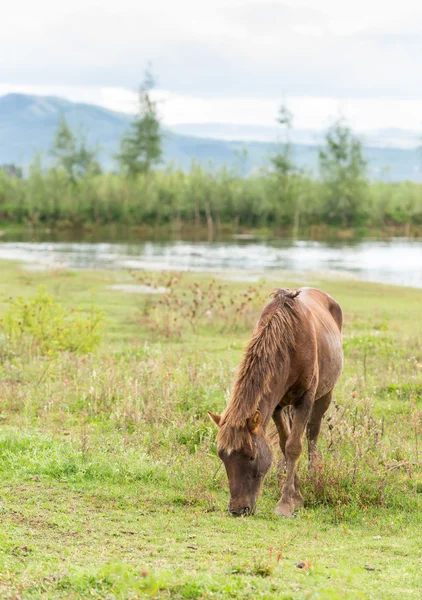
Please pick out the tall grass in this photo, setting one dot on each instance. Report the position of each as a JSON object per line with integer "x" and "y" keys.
{"x": 200, "y": 198}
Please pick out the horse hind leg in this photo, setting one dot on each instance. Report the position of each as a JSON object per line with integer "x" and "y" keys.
{"x": 314, "y": 426}
{"x": 291, "y": 497}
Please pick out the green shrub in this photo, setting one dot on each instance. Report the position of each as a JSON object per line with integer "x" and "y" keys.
{"x": 49, "y": 327}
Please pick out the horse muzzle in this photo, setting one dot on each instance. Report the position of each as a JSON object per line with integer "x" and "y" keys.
{"x": 240, "y": 511}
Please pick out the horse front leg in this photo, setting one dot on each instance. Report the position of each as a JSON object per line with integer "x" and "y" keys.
{"x": 291, "y": 497}
{"x": 282, "y": 420}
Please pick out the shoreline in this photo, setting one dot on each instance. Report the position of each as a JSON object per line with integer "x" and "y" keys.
{"x": 311, "y": 277}
{"x": 117, "y": 232}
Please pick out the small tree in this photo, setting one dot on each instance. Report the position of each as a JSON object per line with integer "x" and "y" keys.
{"x": 72, "y": 154}
{"x": 12, "y": 170}
{"x": 140, "y": 148}
{"x": 282, "y": 161}
{"x": 286, "y": 174}
{"x": 343, "y": 170}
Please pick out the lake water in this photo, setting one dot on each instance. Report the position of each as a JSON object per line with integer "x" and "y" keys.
{"x": 397, "y": 262}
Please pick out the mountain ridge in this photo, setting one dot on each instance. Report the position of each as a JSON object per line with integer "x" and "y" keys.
{"x": 391, "y": 137}
{"x": 28, "y": 123}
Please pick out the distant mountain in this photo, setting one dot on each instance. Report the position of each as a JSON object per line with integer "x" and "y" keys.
{"x": 28, "y": 124}
{"x": 379, "y": 138}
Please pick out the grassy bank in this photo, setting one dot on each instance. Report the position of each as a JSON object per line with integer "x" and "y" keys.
{"x": 110, "y": 483}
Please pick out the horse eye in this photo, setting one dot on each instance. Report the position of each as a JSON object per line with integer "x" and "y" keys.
{"x": 252, "y": 458}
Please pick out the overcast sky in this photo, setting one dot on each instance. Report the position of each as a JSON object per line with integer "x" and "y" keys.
{"x": 223, "y": 60}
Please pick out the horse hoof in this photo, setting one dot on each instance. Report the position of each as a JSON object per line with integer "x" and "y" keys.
{"x": 299, "y": 503}
{"x": 284, "y": 510}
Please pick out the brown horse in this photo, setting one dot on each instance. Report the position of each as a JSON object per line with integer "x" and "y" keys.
{"x": 294, "y": 359}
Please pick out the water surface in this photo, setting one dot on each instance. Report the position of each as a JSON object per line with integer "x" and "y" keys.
{"x": 397, "y": 262}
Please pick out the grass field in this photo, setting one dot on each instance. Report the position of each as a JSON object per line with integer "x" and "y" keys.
{"x": 110, "y": 482}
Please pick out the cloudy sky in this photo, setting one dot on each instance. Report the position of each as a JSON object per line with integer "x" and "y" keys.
{"x": 224, "y": 60}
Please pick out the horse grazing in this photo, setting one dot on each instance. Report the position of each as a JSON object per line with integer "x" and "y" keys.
{"x": 293, "y": 359}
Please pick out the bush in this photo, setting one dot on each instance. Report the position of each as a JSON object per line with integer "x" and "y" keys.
{"x": 182, "y": 307}
{"x": 49, "y": 327}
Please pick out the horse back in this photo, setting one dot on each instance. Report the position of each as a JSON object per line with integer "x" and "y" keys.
{"x": 324, "y": 320}
{"x": 320, "y": 303}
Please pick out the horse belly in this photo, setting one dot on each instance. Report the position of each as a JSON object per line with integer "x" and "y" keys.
{"x": 330, "y": 361}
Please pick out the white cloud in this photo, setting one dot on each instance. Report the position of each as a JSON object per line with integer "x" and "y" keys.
{"x": 261, "y": 49}
{"x": 304, "y": 29}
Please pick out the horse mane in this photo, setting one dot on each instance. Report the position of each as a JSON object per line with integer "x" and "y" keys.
{"x": 267, "y": 350}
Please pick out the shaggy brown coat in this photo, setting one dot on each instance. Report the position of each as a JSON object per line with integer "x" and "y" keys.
{"x": 293, "y": 359}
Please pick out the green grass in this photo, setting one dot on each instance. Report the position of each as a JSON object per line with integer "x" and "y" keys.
{"x": 110, "y": 486}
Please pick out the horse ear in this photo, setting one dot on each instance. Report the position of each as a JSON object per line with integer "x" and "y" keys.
{"x": 254, "y": 422}
{"x": 215, "y": 418}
